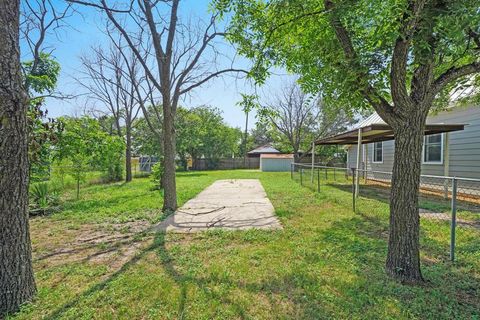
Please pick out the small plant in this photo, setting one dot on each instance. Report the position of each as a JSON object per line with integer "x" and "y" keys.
{"x": 157, "y": 174}
{"x": 43, "y": 196}
{"x": 39, "y": 194}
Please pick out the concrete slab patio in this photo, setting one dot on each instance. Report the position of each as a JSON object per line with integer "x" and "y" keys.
{"x": 226, "y": 204}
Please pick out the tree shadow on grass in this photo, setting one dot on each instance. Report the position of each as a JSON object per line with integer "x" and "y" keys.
{"x": 167, "y": 262}
{"x": 355, "y": 246}
{"x": 360, "y": 244}
{"x": 448, "y": 288}
{"x": 101, "y": 285}
{"x": 363, "y": 239}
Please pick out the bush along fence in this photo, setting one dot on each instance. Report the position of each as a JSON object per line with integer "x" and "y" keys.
{"x": 449, "y": 206}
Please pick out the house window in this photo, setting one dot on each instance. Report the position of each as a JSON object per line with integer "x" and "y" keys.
{"x": 378, "y": 152}
{"x": 433, "y": 149}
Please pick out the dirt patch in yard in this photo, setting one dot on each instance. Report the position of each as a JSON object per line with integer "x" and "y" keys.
{"x": 58, "y": 243}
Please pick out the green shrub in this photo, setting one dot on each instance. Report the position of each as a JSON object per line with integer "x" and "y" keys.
{"x": 157, "y": 174}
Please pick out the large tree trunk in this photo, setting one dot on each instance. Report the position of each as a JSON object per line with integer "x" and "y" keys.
{"x": 128, "y": 154}
{"x": 17, "y": 284}
{"x": 169, "y": 183}
{"x": 403, "y": 258}
{"x": 296, "y": 156}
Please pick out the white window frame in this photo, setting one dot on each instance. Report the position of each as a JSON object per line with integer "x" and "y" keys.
{"x": 373, "y": 153}
{"x": 442, "y": 140}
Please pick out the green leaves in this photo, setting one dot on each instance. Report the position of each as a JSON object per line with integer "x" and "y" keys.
{"x": 85, "y": 145}
{"x": 248, "y": 102}
{"x": 41, "y": 76}
{"x": 300, "y": 35}
{"x": 201, "y": 131}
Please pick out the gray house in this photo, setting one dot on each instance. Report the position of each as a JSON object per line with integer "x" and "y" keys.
{"x": 455, "y": 153}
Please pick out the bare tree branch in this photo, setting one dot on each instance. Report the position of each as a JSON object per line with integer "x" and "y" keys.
{"x": 180, "y": 62}
{"x": 102, "y": 6}
{"x": 41, "y": 18}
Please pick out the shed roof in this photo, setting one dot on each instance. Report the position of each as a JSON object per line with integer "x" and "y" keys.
{"x": 374, "y": 129}
{"x": 276, "y": 156}
{"x": 267, "y": 148}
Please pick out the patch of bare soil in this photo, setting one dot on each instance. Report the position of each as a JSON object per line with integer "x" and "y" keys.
{"x": 111, "y": 245}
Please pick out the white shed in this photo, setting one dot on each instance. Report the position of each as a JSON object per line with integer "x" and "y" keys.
{"x": 276, "y": 162}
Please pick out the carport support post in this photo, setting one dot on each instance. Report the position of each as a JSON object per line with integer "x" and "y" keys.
{"x": 353, "y": 190}
{"x": 454, "y": 219}
{"x": 365, "y": 159}
{"x": 359, "y": 149}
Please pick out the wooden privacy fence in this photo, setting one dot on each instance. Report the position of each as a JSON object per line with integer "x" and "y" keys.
{"x": 226, "y": 164}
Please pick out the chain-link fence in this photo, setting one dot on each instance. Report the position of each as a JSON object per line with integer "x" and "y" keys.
{"x": 449, "y": 206}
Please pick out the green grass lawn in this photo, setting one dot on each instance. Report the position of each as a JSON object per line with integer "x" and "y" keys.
{"x": 94, "y": 260}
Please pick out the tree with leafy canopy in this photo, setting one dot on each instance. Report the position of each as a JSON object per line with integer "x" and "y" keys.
{"x": 217, "y": 139}
{"x": 188, "y": 138}
{"x": 259, "y": 135}
{"x": 203, "y": 132}
{"x": 400, "y": 58}
{"x": 83, "y": 145}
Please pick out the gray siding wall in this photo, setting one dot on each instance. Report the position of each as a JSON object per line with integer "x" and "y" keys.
{"x": 267, "y": 164}
{"x": 463, "y": 147}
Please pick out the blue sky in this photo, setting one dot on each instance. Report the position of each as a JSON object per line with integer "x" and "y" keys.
{"x": 222, "y": 93}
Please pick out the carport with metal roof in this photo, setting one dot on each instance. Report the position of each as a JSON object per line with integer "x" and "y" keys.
{"x": 374, "y": 129}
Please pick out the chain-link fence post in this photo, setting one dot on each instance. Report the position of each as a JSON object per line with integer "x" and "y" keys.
{"x": 334, "y": 176}
{"x": 301, "y": 176}
{"x": 312, "y": 174}
{"x": 318, "y": 180}
{"x": 454, "y": 219}
{"x": 291, "y": 170}
{"x": 353, "y": 190}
